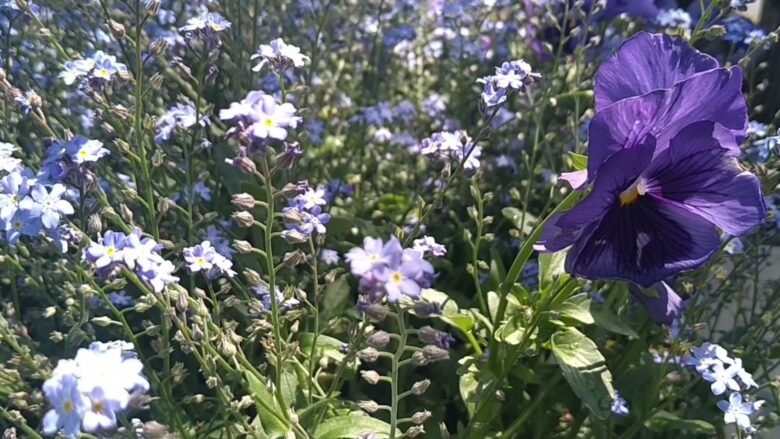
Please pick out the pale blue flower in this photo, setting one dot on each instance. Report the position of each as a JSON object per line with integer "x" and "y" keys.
{"x": 736, "y": 412}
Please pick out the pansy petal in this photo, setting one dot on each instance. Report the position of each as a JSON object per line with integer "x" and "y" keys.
{"x": 643, "y": 242}
{"x": 701, "y": 176}
{"x": 562, "y": 230}
{"x": 715, "y": 95}
{"x": 656, "y": 61}
{"x": 665, "y": 306}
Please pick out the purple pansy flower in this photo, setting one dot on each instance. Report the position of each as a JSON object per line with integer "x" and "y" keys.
{"x": 663, "y": 151}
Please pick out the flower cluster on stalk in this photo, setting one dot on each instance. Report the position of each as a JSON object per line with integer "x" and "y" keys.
{"x": 726, "y": 376}
{"x": 115, "y": 250}
{"x": 88, "y": 392}
{"x": 387, "y": 270}
{"x": 205, "y": 258}
{"x": 98, "y": 69}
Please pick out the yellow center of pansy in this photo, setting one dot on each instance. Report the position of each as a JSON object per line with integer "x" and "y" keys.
{"x": 630, "y": 195}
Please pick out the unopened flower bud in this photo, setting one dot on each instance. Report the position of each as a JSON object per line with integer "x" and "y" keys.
{"x": 294, "y": 258}
{"x": 418, "y": 359}
{"x": 242, "y": 246}
{"x": 243, "y": 201}
{"x": 379, "y": 339}
{"x": 420, "y": 387}
{"x": 152, "y": 8}
{"x": 94, "y": 224}
{"x": 369, "y": 355}
{"x": 157, "y": 48}
{"x": 294, "y": 236}
{"x": 252, "y": 276}
{"x": 371, "y": 376}
{"x": 117, "y": 29}
{"x": 243, "y": 219}
{"x": 415, "y": 431}
{"x": 420, "y": 417}
{"x": 369, "y": 406}
{"x": 434, "y": 353}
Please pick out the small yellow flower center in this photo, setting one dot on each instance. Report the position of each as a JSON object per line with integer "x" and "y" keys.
{"x": 268, "y": 122}
{"x": 18, "y": 225}
{"x": 373, "y": 258}
{"x": 103, "y": 72}
{"x": 397, "y": 277}
{"x": 201, "y": 261}
{"x": 83, "y": 152}
{"x": 110, "y": 251}
{"x": 630, "y": 195}
{"x": 216, "y": 27}
{"x": 97, "y": 406}
{"x": 67, "y": 406}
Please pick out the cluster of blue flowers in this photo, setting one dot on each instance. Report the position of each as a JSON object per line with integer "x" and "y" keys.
{"x": 181, "y": 116}
{"x": 96, "y": 70}
{"x": 259, "y": 118}
{"x": 264, "y": 294}
{"x": 134, "y": 251}
{"x": 388, "y": 270}
{"x": 279, "y": 55}
{"x": 511, "y": 76}
{"x": 724, "y": 373}
{"x": 448, "y": 146}
{"x": 89, "y": 391}
{"x": 304, "y": 216}
{"x": 205, "y": 258}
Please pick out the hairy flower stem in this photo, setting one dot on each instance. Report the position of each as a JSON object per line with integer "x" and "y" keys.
{"x": 268, "y": 248}
{"x": 396, "y": 366}
{"x": 313, "y": 300}
{"x": 480, "y": 220}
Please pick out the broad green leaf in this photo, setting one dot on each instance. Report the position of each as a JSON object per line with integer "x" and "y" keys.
{"x": 604, "y": 318}
{"x": 577, "y": 308}
{"x": 351, "y": 426}
{"x": 334, "y": 299}
{"x": 448, "y": 306}
{"x": 268, "y": 410}
{"x": 468, "y": 388}
{"x": 551, "y": 267}
{"x": 515, "y": 216}
{"x": 585, "y": 370}
{"x": 325, "y": 346}
{"x": 578, "y": 161}
{"x": 461, "y": 321}
{"x": 511, "y": 331}
{"x": 665, "y": 421}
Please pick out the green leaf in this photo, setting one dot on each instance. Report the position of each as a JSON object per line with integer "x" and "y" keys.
{"x": 515, "y": 216}
{"x": 511, "y": 331}
{"x": 585, "y": 370}
{"x": 604, "y": 318}
{"x": 267, "y": 407}
{"x": 578, "y": 161}
{"x": 351, "y": 426}
{"x": 577, "y": 308}
{"x": 665, "y": 421}
{"x": 325, "y": 346}
{"x": 551, "y": 267}
{"x": 334, "y": 299}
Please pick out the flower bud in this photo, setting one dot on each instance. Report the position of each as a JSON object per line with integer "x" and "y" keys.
{"x": 294, "y": 236}
{"x": 434, "y": 353}
{"x": 420, "y": 417}
{"x": 414, "y": 431}
{"x": 243, "y": 219}
{"x": 418, "y": 359}
{"x": 294, "y": 258}
{"x": 369, "y": 355}
{"x": 94, "y": 224}
{"x": 371, "y": 376}
{"x": 252, "y": 277}
{"x": 369, "y": 406}
{"x": 243, "y": 201}
{"x": 242, "y": 246}
{"x": 117, "y": 29}
{"x": 158, "y": 47}
{"x": 420, "y": 387}
{"x": 152, "y": 8}
{"x": 379, "y": 339}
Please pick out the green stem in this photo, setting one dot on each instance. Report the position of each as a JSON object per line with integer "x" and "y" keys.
{"x": 399, "y": 352}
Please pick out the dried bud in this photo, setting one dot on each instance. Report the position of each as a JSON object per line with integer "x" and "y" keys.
{"x": 157, "y": 48}
{"x": 94, "y": 224}
{"x": 379, "y": 339}
{"x": 434, "y": 353}
{"x": 420, "y": 387}
{"x": 371, "y": 376}
{"x": 415, "y": 431}
{"x": 242, "y": 246}
{"x": 243, "y": 201}
{"x": 152, "y": 8}
{"x": 369, "y": 406}
{"x": 420, "y": 417}
{"x": 294, "y": 258}
{"x": 156, "y": 81}
{"x": 369, "y": 355}
{"x": 294, "y": 236}
{"x": 252, "y": 277}
{"x": 126, "y": 213}
{"x": 243, "y": 219}
{"x": 117, "y": 29}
